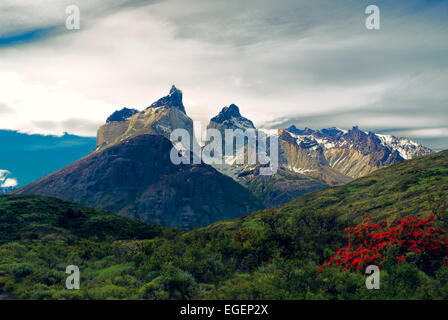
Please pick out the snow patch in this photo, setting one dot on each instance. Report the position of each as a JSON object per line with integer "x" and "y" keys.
{"x": 300, "y": 170}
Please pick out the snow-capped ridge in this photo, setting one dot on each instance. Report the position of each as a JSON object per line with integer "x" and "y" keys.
{"x": 337, "y": 138}
{"x": 407, "y": 148}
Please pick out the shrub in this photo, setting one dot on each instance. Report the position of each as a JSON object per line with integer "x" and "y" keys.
{"x": 407, "y": 238}
{"x": 21, "y": 270}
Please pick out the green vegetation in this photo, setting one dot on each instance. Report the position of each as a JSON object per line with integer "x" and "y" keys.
{"x": 34, "y": 217}
{"x": 270, "y": 254}
{"x": 411, "y": 188}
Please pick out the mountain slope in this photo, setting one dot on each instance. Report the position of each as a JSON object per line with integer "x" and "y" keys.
{"x": 281, "y": 187}
{"x": 136, "y": 178}
{"x": 415, "y": 187}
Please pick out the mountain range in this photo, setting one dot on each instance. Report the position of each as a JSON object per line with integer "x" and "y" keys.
{"x": 130, "y": 172}
{"x": 313, "y": 159}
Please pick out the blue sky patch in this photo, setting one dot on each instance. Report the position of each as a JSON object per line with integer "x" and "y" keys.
{"x": 24, "y": 37}
{"x": 30, "y": 157}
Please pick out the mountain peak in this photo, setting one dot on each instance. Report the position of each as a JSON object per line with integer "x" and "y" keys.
{"x": 121, "y": 115}
{"x": 293, "y": 129}
{"x": 173, "y": 90}
{"x": 333, "y": 131}
{"x": 231, "y": 118}
{"x": 174, "y": 99}
{"x": 232, "y": 110}
{"x": 232, "y": 115}
{"x": 228, "y": 113}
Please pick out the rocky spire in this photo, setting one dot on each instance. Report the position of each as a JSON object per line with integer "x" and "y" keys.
{"x": 174, "y": 99}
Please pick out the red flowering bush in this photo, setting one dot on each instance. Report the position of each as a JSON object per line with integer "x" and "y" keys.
{"x": 371, "y": 243}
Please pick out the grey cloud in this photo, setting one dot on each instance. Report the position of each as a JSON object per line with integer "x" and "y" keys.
{"x": 394, "y": 122}
{"x": 266, "y": 56}
{"x": 4, "y": 109}
{"x": 80, "y": 125}
{"x": 251, "y": 21}
{"x": 51, "y": 125}
{"x": 17, "y": 19}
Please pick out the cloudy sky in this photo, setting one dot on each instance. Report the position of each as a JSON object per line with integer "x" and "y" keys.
{"x": 309, "y": 63}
